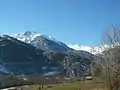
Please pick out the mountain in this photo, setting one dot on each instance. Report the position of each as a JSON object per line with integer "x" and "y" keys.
{"x": 48, "y": 43}
{"x": 42, "y": 41}
{"x": 22, "y": 58}
{"x": 92, "y": 50}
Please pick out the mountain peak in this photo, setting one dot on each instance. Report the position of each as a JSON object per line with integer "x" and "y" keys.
{"x": 93, "y": 50}
{"x": 27, "y": 36}
{"x": 41, "y": 41}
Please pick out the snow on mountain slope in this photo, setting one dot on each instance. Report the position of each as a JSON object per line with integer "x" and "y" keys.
{"x": 26, "y": 37}
{"x": 41, "y": 41}
{"x": 93, "y": 50}
{"x": 29, "y": 36}
{"x": 77, "y": 47}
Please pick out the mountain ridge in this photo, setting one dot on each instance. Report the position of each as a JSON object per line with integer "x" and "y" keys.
{"x": 93, "y": 50}
{"x": 21, "y": 58}
{"x": 29, "y": 37}
{"x": 41, "y": 41}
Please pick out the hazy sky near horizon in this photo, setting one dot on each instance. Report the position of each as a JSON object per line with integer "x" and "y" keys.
{"x": 71, "y": 21}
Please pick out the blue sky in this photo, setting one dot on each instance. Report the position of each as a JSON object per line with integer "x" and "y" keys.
{"x": 71, "y": 21}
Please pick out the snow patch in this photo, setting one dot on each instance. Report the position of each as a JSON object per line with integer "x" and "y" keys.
{"x": 50, "y": 73}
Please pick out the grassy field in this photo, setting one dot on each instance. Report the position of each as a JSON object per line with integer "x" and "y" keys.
{"x": 87, "y": 85}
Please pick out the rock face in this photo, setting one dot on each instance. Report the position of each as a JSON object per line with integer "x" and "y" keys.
{"x": 21, "y": 58}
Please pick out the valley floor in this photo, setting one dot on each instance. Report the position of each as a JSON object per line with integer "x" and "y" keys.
{"x": 87, "y": 85}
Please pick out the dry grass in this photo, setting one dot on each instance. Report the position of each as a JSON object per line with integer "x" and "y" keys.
{"x": 87, "y": 85}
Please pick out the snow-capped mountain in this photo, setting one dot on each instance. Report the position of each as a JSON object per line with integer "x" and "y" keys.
{"x": 93, "y": 50}
{"x": 29, "y": 36}
{"x": 41, "y": 41}
{"x": 33, "y": 53}
{"x": 49, "y": 43}
{"x": 20, "y": 58}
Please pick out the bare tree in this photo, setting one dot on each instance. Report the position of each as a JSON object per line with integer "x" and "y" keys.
{"x": 110, "y": 67}
{"x": 109, "y": 61}
{"x": 111, "y": 36}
